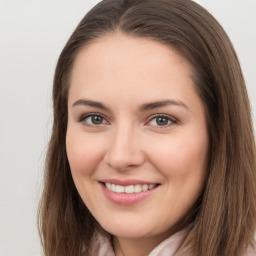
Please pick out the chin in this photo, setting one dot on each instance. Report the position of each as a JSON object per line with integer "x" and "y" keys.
{"x": 130, "y": 230}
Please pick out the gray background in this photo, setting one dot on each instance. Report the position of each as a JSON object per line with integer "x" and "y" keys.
{"x": 32, "y": 34}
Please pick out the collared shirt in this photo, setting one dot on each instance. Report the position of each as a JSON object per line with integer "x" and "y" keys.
{"x": 102, "y": 246}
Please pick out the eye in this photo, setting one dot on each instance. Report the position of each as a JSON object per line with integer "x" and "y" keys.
{"x": 93, "y": 120}
{"x": 162, "y": 121}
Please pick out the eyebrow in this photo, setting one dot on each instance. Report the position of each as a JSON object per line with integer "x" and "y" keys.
{"x": 144, "y": 107}
{"x": 162, "y": 103}
{"x": 91, "y": 103}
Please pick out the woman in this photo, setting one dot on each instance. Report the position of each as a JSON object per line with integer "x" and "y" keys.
{"x": 152, "y": 149}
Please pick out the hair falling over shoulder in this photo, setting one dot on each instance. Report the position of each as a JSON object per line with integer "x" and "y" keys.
{"x": 224, "y": 222}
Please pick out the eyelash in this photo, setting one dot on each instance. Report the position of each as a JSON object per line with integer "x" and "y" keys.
{"x": 83, "y": 118}
{"x": 171, "y": 120}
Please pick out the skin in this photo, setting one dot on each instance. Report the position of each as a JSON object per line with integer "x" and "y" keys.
{"x": 124, "y": 73}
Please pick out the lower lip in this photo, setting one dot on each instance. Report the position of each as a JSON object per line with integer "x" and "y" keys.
{"x": 127, "y": 199}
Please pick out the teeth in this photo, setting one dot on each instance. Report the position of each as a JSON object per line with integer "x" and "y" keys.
{"x": 108, "y": 185}
{"x": 137, "y": 188}
{"x": 120, "y": 189}
{"x": 144, "y": 187}
{"x": 151, "y": 186}
{"x": 129, "y": 189}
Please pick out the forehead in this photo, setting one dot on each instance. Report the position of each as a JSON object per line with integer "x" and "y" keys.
{"x": 129, "y": 66}
{"x": 123, "y": 53}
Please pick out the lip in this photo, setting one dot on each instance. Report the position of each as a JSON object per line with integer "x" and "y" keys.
{"x": 125, "y": 199}
{"x": 126, "y": 182}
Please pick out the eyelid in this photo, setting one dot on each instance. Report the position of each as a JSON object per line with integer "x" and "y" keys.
{"x": 84, "y": 116}
{"x": 171, "y": 118}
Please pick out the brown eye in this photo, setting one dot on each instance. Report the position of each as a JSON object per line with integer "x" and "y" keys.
{"x": 93, "y": 120}
{"x": 162, "y": 121}
{"x": 97, "y": 120}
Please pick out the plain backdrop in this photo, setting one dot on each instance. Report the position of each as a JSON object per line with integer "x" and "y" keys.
{"x": 32, "y": 34}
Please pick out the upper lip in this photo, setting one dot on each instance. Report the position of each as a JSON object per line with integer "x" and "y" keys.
{"x": 127, "y": 182}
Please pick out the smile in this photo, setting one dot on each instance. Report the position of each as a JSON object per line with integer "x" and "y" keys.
{"x": 128, "y": 192}
{"x": 130, "y": 189}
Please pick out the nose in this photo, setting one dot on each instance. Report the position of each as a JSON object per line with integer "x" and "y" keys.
{"x": 124, "y": 150}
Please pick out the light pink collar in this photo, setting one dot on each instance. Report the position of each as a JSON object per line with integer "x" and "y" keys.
{"x": 102, "y": 246}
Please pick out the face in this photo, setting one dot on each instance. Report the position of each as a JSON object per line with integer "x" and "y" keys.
{"x": 137, "y": 137}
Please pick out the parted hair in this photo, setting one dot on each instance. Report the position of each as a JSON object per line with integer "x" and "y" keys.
{"x": 224, "y": 217}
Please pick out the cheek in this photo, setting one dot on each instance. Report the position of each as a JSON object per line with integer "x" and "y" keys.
{"x": 181, "y": 158}
{"x": 83, "y": 152}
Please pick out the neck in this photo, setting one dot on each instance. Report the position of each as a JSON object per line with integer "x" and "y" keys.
{"x": 128, "y": 247}
{"x": 142, "y": 246}
{"x": 136, "y": 246}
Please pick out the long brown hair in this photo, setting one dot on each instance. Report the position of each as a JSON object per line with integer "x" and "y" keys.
{"x": 224, "y": 222}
